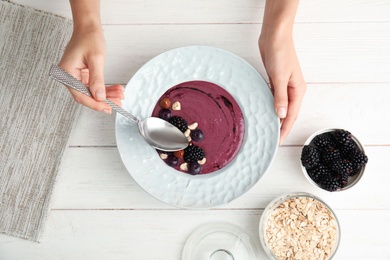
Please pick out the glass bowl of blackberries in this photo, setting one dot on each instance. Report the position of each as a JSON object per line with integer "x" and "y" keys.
{"x": 333, "y": 159}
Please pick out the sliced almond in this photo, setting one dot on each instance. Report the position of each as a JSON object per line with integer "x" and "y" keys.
{"x": 187, "y": 133}
{"x": 176, "y": 106}
{"x": 203, "y": 161}
{"x": 184, "y": 166}
{"x": 193, "y": 126}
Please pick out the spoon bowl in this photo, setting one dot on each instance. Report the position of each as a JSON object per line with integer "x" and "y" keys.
{"x": 162, "y": 135}
{"x": 157, "y": 132}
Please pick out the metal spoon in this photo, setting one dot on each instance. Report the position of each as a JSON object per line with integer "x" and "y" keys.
{"x": 157, "y": 132}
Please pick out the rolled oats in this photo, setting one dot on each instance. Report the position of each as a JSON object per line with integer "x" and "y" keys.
{"x": 301, "y": 228}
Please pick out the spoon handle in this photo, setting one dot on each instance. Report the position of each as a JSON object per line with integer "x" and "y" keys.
{"x": 65, "y": 78}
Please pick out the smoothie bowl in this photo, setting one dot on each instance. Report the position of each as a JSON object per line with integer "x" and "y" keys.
{"x": 212, "y": 121}
{"x": 218, "y": 94}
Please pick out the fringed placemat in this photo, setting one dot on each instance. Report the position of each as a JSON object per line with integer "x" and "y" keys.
{"x": 36, "y": 116}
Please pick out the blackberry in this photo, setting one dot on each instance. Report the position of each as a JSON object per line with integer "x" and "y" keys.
{"x": 310, "y": 157}
{"x": 323, "y": 141}
{"x": 318, "y": 173}
{"x": 348, "y": 148}
{"x": 343, "y": 180}
{"x": 329, "y": 155}
{"x": 354, "y": 172}
{"x": 331, "y": 183}
{"x": 193, "y": 153}
{"x": 342, "y": 136}
{"x": 358, "y": 159}
{"x": 342, "y": 166}
{"x": 179, "y": 122}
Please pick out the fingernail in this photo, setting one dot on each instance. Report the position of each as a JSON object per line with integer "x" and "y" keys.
{"x": 282, "y": 112}
{"x": 100, "y": 95}
{"x": 107, "y": 111}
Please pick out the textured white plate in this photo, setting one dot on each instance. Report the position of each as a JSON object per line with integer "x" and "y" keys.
{"x": 250, "y": 91}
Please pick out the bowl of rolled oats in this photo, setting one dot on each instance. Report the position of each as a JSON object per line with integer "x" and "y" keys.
{"x": 299, "y": 226}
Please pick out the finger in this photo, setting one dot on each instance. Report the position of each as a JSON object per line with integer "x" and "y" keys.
{"x": 279, "y": 87}
{"x": 84, "y": 76}
{"x": 96, "y": 77}
{"x": 295, "y": 101}
{"x": 90, "y": 102}
{"x": 286, "y": 127}
{"x": 116, "y": 87}
{"x": 72, "y": 70}
{"x": 115, "y": 94}
{"x": 115, "y": 91}
{"x": 116, "y": 101}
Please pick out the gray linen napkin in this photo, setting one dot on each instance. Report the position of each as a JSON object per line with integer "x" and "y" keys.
{"x": 36, "y": 116}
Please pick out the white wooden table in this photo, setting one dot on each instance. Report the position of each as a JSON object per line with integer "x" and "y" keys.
{"x": 99, "y": 212}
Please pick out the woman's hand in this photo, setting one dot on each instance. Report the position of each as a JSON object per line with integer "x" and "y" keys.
{"x": 281, "y": 62}
{"x": 84, "y": 57}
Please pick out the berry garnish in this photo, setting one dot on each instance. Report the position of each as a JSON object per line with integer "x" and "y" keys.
{"x": 172, "y": 160}
{"x": 179, "y": 154}
{"x": 179, "y": 122}
{"x": 194, "y": 168}
{"x": 193, "y": 153}
{"x": 165, "y": 103}
{"x": 165, "y": 114}
{"x": 197, "y": 135}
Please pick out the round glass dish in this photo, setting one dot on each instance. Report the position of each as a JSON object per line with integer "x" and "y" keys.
{"x": 352, "y": 181}
{"x": 299, "y": 226}
{"x": 220, "y": 241}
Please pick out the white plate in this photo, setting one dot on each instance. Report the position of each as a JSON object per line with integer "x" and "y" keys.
{"x": 250, "y": 91}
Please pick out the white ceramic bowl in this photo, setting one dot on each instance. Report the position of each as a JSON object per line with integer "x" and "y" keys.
{"x": 243, "y": 82}
{"x": 352, "y": 181}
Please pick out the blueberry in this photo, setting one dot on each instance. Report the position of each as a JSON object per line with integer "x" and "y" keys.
{"x": 197, "y": 135}
{"x": 172, "y": 160}
{"x": 194, "y": 168}
{"x": 165, "y": 114}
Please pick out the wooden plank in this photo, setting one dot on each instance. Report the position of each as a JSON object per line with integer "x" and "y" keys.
{"x": 220, "y": 11}
{"x": 359, "y": 108}
{"x": 350, "y": 106}
{"x": 93, "y": 129}
{"x": 346, "y": 52}
{"x": 128, "y": 234}
{"x": 95, "y": 178}
{"x": 328, "y": 52}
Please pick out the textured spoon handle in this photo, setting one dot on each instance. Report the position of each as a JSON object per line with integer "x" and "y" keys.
{"x": 65, "y": 78}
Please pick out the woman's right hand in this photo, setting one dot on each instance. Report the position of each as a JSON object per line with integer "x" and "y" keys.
{"x": 84, "y": 57}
